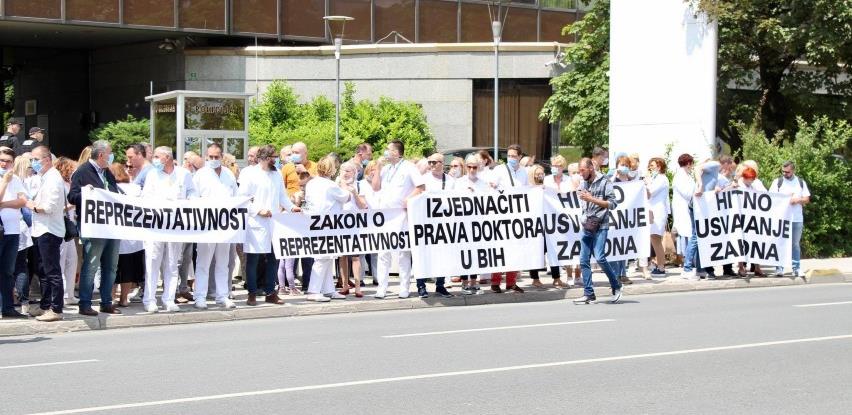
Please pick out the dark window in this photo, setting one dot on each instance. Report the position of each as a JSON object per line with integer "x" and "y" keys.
{"x": 520, "y": 25}
{"x": 49, "y": 9}
{"x": 256, "y": 16}
{"x": 202, "y": 14}
{"x": 552, "y": 24}
{"x": 359, "y": 29}
{"x": 149, "y": 12}
{"x": 395, "y": 15}
{"x": 438, "y": 21}
{"x": 92, "y": 10}
{"x": 303, "y": 18}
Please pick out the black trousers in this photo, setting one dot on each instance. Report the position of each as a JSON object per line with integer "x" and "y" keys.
{"x": 50, "y": 273}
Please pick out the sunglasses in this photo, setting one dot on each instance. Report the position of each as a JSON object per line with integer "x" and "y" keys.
{"x": 433, "y": 162}
{"x": 473, "y": 167}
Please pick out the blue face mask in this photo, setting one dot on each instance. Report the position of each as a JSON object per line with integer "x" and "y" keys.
{"x": 111, "y": 158}
{"x": 278, "y": 163}
{"x": 512, "y": 163}
{"x": 36, "y": 165}
{"x": 157, "y": 164}
{"x": 2, "y": 172}
{"x": 294, "y": 158}
{"x": 365, "y": 162}
{"x": 387, "y": 154}
{"x": 623, "y": 170}
{"x": 556, "y": 171}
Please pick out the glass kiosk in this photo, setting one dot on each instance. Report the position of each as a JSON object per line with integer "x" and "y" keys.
{"x": 191, "y": 120}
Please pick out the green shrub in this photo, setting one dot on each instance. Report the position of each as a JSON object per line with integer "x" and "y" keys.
{"x": 122, "y": 133}
{"x": 817, "y": 152}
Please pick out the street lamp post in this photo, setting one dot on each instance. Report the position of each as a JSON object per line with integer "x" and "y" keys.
{"x": 496, "y": 30}
{"x": 336, "y": 25}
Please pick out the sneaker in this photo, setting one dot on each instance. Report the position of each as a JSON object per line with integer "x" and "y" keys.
{"x": 441, "y": 291}
{"x": 403, "y": 295}
{"x": 49, "y": 315}
{"x": 318, "y": 298}
{"x": 422, "y": 292}
{"x": 171, "y": 308}
{"x": 35, "y": 311}
{"x": 701, "y": 274}
{"x": 226, "y": 303}
{"x": 151, "y": 308}
{"x": 468, "y": 291}
{"x": 690, "y": 275}
{"x": 796, "y": 273}
{"x": 616, "y": 296}
{"x": 586, "y": 299}
{"x": 72, "y": 301}
{"x": 337, "y": 296}
{"x": 201, "y": 305}
{"x": 658, "y": 273}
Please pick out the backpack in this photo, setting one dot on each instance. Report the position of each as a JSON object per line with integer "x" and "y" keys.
{"x": 778, "y": 183}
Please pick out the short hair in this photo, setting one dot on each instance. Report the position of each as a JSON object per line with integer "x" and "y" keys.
{"x": 749, "y": 173}
{"x": 349, "y": 166}
{"x": 138, "y": 148}
{"x": 725, "y": 159}
{"x": 599, "y": 152}
{"x": 327, "y": 167}
{"x": 440, "y": 155}
{"x": 789, "y": 163}
{"x": 46, "y": 150}
{"x": 473, "y": 158}
{"x": 214, "y": 145}
{"x": 7, "y": 151}
{"x": 363, "y": 147}
{"x": 626, "y": 160}
{"x": 516, "y": 147}
{"x": 660, "y": 163}
{"x": 165, "y": 150}
{"x": 586, "y": 162}
{"x": 485, "y": 156}
{"x": 573, "y": 166}
{"x": 266, "y": 152}
{"x": 120, "y": 174}
{"x": 399, "y": 146}
{"x": 685, "y": 160}
{"x": 100, "y": 147}
{"x": 558, "y": 159}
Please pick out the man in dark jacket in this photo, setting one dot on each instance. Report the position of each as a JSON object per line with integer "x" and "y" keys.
{"x": 97, "y": 252}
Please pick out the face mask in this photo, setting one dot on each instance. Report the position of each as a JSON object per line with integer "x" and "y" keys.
{"x": 214, "y": 164}
{"x": 2, "y": 172}
{"x": 387, "y": 154}
{"x": 111, "y": 158}
{"x": 512, "y": 163}
{"x": 36, "y": 165}
{"x": 623, "y": 170}
{"x": 605, "y": 162}
{"x": 278, "y": 162}
{"x": 654, "y": 174}
{"x": 295, "y": 158}
{"x": 365, "y": 162}
{"x": 157, "y": 164}
{"x": 455, "y": 173}
{"x": 556, "y": 171}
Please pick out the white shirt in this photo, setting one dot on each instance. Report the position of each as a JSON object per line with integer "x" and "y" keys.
{"x": 50, "y": 202}
{"x": 502, "y": 181}
{"x": 398, "y": 181}
{"x": 566, "y": 183}
{"x": 12, "y": 217}
{"x": 792, "y": 187}
{"x": 445, "y": 182}
{"x": 32, "y": 184}
{"x": 477, "y": 186}
{"x": 684, "y": 189}
{"x": 365, "y": 189}
{"x": 266, "y": 188}
{"x": 127, "y": 246}
{"x": 324, "y": 196}
{"x": 176, "y": 185}
{"x": 210, "y": 184}
{"x": 658, "y": 187}
{"x": 756, "y": 185}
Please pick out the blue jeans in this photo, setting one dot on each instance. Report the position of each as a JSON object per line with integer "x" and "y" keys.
{"x": 690, "y": 259}
{"x": 619, "y": 268}
{"x": 22, "y": 276}
{"x": 797, "y": 247}
{"x": 270, "y": 268}
{"x": 8, "y": 255}
{"x": 98, "y": 254}
{"x": 594, "y": 243}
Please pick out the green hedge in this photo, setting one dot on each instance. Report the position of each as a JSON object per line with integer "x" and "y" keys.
{"x": 122, "y": 133}
{"x": 817, "y": 151}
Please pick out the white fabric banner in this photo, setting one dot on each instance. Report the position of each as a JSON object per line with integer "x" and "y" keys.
{"x": 357, "y": 232}
{"x": 463, "y": 233}
{"x": 743, "y": 226}
{"x": 629, "y": 234}
{"x": 115, "y": 216}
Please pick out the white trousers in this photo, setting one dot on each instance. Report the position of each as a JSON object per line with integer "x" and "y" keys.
{"x": 157, "y": 255}
{"x": 204, "y": 256}
{"x": 384, "y": 265}
{"x": 68, "y": 265}
{"x": 322, "y": 276}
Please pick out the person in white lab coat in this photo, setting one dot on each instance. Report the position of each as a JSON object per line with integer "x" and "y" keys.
{"x": 657, "y": 184}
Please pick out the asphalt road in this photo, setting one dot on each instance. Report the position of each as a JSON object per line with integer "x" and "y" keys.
{"x": 738, "y": 351}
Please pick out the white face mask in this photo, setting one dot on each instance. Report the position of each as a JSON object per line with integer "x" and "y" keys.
{"x": 214, "y": 164}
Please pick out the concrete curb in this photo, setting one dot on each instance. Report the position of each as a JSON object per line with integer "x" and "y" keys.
{"x": 672, "y": 284}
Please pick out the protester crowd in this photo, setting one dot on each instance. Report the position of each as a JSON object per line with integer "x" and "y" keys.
{"x": 41, "y": 197}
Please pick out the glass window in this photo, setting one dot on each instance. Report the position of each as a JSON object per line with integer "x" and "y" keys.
{"x": 92, "y": 10}
{"x": 552, "y": 23}
{"x": 303, "y": 18}
{"x": 394, "y": 15}
{"x": 49, "y": 9}
{"x": 521, "y": 25}
{"x": 438, "y": 21}
{"x": 149, "y": 12}
{"x": 359, "y": 29}
{"x": 202, "y": 14}
{"x": 192, "y": 144}
{"x": 236, "y": 146}
{"x": 214, "y": 114}
{"x": 165, "y": 123}
{"x": 559, "y": 4}
{"x": 475, "y": 23}
{"x": 255, "y": 16}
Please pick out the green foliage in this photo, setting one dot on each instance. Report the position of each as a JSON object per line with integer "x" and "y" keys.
{"x": 122, "y": 133}
{"x": 816, "y": 153}
{"x": 581, "y": 95}
{"x": 8, "y": 103}
{"x": 279, "y": 119}
{"x": 763, "y": 45}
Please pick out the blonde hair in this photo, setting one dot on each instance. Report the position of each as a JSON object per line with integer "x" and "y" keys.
{"x": 371, "y": 168}
{"x": 558, "y": 159}
{"x": 22, "y": 166}
{"x": 85, "y": 155}
{"x": 532, "y": 174}
{"x": 327, "y": 167}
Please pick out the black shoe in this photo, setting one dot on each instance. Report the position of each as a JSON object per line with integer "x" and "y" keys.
{"x": 14, "y": 314}
{"x": 88, "y": 311}
{"x": 441, "y": 291}
{"x": 586, "y": 299}
{"x": 421, "y": 291}
{"x": 375, "y": 282}
{"x": 730, "y": 273}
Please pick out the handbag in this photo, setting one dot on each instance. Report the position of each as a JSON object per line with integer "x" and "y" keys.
{"x": 70, "y": 227}
{"x": 592, "y": 224}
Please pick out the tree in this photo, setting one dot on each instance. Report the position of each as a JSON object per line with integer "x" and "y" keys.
{"x": 776, "y": 54}
{"x": 580, "y": 96}
{"x": 122, "y": 133}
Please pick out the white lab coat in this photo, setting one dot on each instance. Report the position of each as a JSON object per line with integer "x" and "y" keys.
{"x": 266, "y": 188}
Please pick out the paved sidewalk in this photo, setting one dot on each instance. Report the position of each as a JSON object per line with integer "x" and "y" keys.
{"x": 819, "y": 271}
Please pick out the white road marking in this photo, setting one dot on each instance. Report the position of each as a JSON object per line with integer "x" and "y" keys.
{"x": 441, "y": 375}
{"x": 69, "y": 362}
{"x": 435, "y": 333}
{"x": 822, "y": 304}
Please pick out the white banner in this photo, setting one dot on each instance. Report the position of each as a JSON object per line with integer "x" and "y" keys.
{"x": 629, "y": 234}
{"x": 459, "y": 233}
{"x": 743, "y": 226}
{"x": 343, "y": 233}
{"x": 115, "y": 216}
